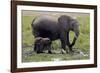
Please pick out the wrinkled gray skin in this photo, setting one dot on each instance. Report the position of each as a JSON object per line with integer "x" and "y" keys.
{"x": 47, "y": 26}
{"x": 42, "y": 44}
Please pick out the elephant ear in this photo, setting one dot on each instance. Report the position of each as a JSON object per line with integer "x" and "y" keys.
{"x": 63, "y": 21}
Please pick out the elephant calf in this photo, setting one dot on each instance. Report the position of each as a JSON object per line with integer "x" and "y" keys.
{"x": 42, "y": 44}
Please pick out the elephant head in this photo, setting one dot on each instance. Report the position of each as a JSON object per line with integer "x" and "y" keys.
{"x": 68, "y": 23}
{"x": 42, "y": 44}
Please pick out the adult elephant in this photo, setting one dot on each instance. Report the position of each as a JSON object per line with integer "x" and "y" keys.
{"x": 49, "y": 27}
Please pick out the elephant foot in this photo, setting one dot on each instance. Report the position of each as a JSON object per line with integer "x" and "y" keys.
{"x": 49, "y": 52}
{"x": 71, "y": 52}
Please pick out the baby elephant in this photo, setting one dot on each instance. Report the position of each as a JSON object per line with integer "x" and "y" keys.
{"x": 42, "y": 44}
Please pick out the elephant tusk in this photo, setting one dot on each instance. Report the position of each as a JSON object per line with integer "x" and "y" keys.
{"x": 75, "y": 35}
{"x": 63, "y": 51}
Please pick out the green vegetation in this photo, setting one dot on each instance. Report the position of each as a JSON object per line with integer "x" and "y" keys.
{"x": 52, "y": 57}
{"x": 82, "y": 44}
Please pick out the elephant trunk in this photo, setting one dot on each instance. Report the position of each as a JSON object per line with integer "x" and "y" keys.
{"x": 74, "y": 25}
{"x": 76, "y": 34}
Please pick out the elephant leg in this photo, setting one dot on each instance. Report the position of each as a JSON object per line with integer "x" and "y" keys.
{"x": 49, "y": 49}
{"x": 63, "y": 42}
{"x": 49, "y": 52}
{"x": 63, "y": 47}
{"x": 40, "y": 48}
